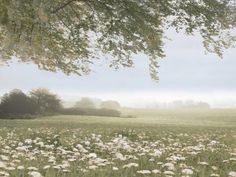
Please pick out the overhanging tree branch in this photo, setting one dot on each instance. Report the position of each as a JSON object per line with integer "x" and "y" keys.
{"x": 63, "y": 6}
{"x": 68, "y": 36}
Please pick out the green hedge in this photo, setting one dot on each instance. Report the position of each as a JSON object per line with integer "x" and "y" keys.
{"x": 90, "y": 112}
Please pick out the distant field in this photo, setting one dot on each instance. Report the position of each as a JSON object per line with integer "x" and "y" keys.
{"x": 151, "y": 143}
{"x": 140, "y": 117}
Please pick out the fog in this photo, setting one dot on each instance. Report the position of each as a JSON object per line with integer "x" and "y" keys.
{"x": 156, "y": 99}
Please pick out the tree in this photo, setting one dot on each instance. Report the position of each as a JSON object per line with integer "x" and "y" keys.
{"x": 17, "y": 103}
{"x": 45, "y": 101}
{"x": 68, "y": 35}
{"x": 110, "y": 105}
{"x": 85, "y": 103}
{"x": 203, "y": 105}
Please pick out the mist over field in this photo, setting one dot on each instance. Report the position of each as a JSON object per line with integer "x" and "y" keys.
{"x": 159, "y": 100}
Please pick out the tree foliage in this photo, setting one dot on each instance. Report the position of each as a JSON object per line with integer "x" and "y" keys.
{"x": 70, "y": 35}
{"x": 39, "y": 101}
{"x": 45, "y": 101}
{"x": 17, "y": 103}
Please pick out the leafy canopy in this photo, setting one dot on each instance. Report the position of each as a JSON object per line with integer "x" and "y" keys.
{"x": 70, "y": 35}
{"x": 16, "y": 103}
{"x": 46, "y": 102}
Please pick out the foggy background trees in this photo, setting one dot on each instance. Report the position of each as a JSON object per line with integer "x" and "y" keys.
{"x": 85, "y": 103}
{"x": 17, "y": 103}
{"x": 93, "y": 107}
{"x": 43, "y": 102}
{"x": 39, "y": 101}
{"x": 180, "y": 104}
{"x": 110, "y": 104}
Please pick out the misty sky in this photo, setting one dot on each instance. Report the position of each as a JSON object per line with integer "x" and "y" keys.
{"x": 185, "y": 73}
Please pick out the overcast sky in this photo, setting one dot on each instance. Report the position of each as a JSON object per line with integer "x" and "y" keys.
{"x": 185, "y": 73}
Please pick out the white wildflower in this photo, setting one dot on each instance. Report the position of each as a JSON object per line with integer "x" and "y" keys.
{"x": 46, "y": 167}
{"x": 2, "y": 164}
{"x": 120, "y": 156}
{"x": 4, "y": 174}
{"x": 203, "y": 163}
{"x": 155, "y": 171}
{"x": 169, "y": 173}
{"x": 92, "y": 156}
{"x": 66, "y": 170}
{"x": 93, "y": 167}
{"x": 214, "y": 168}
{"x": 20, "y": 168}
{"x": 10, "y": 168}
{"x": 87, "y": 143}
{"x": 115, "y": 168}
{"x": 144, "y": 172}
{"x": 28, "y": 141}
{"x": 169, "y": 166}
{"x": 4, "y": 157}
{"x": 35, "y": 174}
{"x": 233, "y": 159}
{"x": 232, "y": 174}
{"x": 187, "y": 171}
{"x": 58, "y": 167}
{"x": 157, "y": 153}
{"x": 130, "y": 165}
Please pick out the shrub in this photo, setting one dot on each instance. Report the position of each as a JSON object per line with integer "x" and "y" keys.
{"x": 110, "y": 105}
{"x": 17, "y": 103}
{"x": 46, "y": 102}
{"x": 90, "y": 112}
{"x": 85, "y": 103}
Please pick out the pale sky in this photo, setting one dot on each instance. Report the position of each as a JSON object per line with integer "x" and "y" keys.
{"x": 185, "y": 73}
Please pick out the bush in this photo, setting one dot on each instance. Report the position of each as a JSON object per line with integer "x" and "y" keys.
{"x": 46, "y": 102}
{"x": 85, "y": 103}
{"x": 90, "y": 112}
{"x": 110, "y": 105}
{"x": 13, "y": 116}
{"x": 17, "y": 103}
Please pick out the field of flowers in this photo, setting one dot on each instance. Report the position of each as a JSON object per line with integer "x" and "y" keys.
{"x": 119, "y": 147}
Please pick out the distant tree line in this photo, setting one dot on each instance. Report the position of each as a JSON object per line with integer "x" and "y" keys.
{"x": 86, "y": 102}
{"x": 17, "y": 104}
{"x": 87, "y": 106}
{"x": 189, "y": 104}
{"x": 180, "y": 104}
{"x": 37, "y": 102}
{"x": 90, "y": 112}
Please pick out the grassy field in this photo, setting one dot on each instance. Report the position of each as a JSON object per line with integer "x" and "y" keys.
{"x": 197, "y": 143}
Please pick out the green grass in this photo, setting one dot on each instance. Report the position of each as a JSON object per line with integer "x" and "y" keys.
{"x": 174, "y": 132}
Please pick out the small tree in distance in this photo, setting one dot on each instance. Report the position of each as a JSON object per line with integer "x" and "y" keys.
{"x": 85, "y": 103}
{"x": 46, "y": 102}
{"x": 110, "y": 104}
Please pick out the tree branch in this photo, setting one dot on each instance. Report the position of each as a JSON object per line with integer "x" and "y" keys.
{"x": 62, "y": 6}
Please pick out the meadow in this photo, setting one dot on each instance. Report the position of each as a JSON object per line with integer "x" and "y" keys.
{"x": 174, "y": 143}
